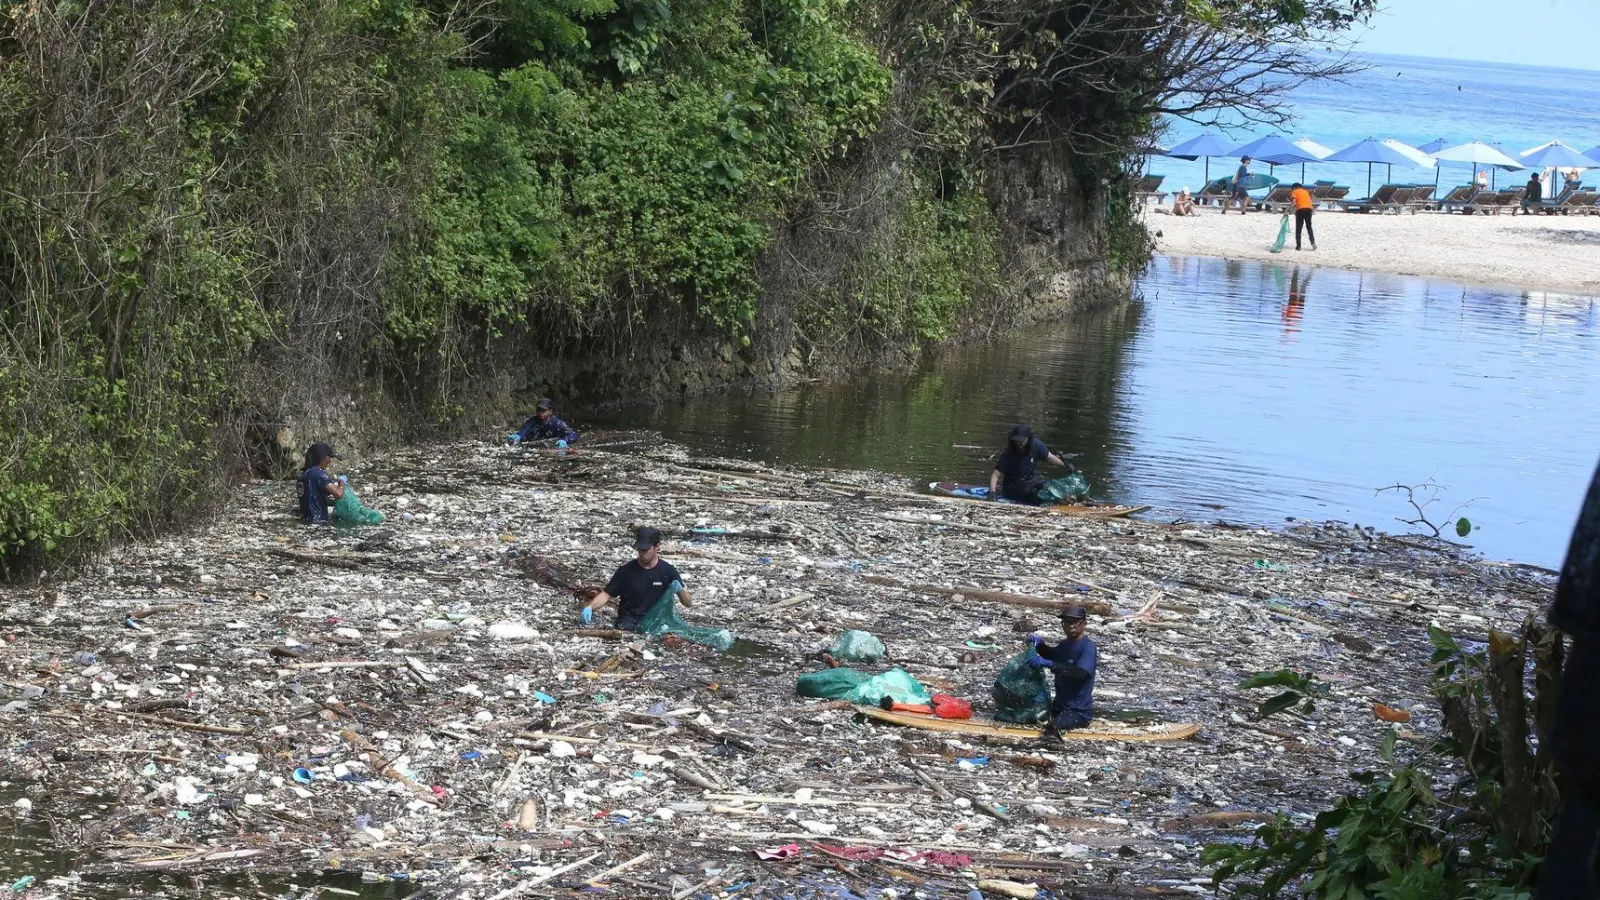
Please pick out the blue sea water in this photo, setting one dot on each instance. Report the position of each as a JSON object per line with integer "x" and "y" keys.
{"x": 1416, "y": 100}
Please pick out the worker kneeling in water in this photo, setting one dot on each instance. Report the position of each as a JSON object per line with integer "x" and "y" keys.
{"x": 1073, "y": 662}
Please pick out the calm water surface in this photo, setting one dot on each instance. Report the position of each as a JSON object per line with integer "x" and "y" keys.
{"x": 1241, "y": 391}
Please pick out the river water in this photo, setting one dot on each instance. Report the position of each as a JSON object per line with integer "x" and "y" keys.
{"x": 1240, "y": 391}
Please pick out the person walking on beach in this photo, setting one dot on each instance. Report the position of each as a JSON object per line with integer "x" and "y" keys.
{"x": 1016, "y": 471}
{"x": 1073, "y": 662}
{"x": 639, "y": 584}
{"x": 1303, "y": 207}
{"x": 316, "y": 485}
{"x": 1532, "y": 194}
{"x": 545, "y": 426}
{"x": 1239, "y": 192}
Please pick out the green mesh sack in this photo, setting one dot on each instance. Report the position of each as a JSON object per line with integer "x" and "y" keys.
{"x": 830, "y": 684}
{"x": 1021, "y": 692}
{"x": 896, "y": 684}
{"x": 858, "y": 647}
{"x": 663, "y": 619}
{"x": 1067, "y": 489}
{"x": 348, "y": 511}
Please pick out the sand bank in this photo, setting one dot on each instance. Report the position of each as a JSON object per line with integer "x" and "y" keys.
{"x": 1548, "y": 253}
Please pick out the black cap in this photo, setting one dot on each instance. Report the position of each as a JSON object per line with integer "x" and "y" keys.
{"x": 646, "y": 538}
{"x": 321, "y": 449}
{"x": 1073, "y": 612}
{"x": 544, "y": 403}
{"x": 1021, "y": 432}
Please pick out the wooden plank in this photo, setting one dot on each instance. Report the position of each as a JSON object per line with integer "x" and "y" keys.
{"x": 1103, "y": 731}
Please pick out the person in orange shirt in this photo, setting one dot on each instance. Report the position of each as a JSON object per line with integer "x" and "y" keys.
{"x": 1302, "y": 214}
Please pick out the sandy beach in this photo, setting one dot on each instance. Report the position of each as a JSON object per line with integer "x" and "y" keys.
{"x": 1551, "y": 253}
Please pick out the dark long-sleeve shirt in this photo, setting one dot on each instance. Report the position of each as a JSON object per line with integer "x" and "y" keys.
{"x": 1577, "y": 606}
{"x": 553, "y": 428}
{"x": 1073, "y": 662}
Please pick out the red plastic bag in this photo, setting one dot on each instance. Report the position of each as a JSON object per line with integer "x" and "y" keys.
{"x": 948, "y": 707}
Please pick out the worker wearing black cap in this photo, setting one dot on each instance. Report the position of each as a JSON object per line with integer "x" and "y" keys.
{"x": 639, "y": 584}
{"x": 1015, "y": 476}
{"x": 544, "y": 426}
{"x": 1073, "y": 662}
{"x": 316, "y": 485}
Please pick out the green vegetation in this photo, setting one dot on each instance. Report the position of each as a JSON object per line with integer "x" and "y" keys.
{"x": 222, "y": 219}
{"x": 1400, "y": 838}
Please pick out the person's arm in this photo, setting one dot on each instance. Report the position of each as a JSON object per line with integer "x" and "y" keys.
{"x": 336, "y": 489}
{"x": 994, "y": 483}
{"x": 684, "y": 598}
{"x": 568, "y": 434}
{"x": 600, "y": 600}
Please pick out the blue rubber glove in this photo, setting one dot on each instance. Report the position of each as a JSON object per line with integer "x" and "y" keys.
{"x": 1041, "y": 662}
{"x": 1034, "y": 641}
{"x": 344, "y": 479}
{"x": 514, "y": 438}
{"x": 588, "y": 615}
{"x": 561, "y": 444}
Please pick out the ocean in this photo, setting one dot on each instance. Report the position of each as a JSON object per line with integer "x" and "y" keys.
{"x": 1416, "y": 100}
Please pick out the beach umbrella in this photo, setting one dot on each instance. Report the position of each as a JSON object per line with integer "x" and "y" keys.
{"x": 1370, "y": 151}
{"x": 1203, "y": 146}
{"x": 1559, "y": 155}
{"x": 1593, "y": 152}
{"x": 1418, "y": 158}
{"x": 1274, "y": 151}
{"x": 1478, "y": 154}
{"x": 1313, "y": 148}
{"x": 1433, "y": 146}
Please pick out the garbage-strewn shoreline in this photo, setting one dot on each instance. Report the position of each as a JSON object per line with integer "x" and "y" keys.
{"x": 255, "y": 696}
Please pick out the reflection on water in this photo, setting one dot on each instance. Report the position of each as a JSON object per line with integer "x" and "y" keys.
{"x": 1263, "y": 390}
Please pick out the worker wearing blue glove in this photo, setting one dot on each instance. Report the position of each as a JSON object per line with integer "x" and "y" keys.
{"x": 587, "y": 615}
{"x": 1073, "y": 661}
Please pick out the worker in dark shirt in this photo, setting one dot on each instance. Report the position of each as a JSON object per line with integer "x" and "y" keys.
{"x": 316, "y": 485}
{"x": 1073, "y": 661}
{"x": 639, "y": 585}
{"x": 545, "y": 426}
{"x": 1016, "y": 470}
{"x": 1572, "y": 864}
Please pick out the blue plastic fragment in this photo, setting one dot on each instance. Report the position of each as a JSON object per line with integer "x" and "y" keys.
{"x": 471, "y": 755}
{"x": 304, "y": 776}
{"x": 542, "y": 697}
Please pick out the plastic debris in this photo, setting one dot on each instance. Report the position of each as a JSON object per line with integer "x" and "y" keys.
{"x": 858, "y": 647}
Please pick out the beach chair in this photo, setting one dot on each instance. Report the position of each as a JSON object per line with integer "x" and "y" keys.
{"x": 1380, "y": 200}
{"x": 1554, "y": 204}
{"x": 1211, "y": 193}
{"x": 1148, "y": 188}
{"x": 1280, "y": 199}
{"x": 1421, "y": 198}
{"x": 1583, "y": 201}
{"x": 1502, "y": 200}
{"x": 1459, "y": 197}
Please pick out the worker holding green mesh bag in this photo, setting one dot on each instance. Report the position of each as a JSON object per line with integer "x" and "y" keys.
{"x": 647, "y": 590}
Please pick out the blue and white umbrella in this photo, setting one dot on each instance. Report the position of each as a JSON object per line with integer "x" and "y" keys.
{"x": 1559, "y": 155}
{"x": 1478, "y": 154}
{"x": 1203, "y": 146}
{"x": 1371, "y": 151}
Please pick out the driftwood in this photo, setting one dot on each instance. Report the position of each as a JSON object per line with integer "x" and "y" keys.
{"x": 1096, "y": 607}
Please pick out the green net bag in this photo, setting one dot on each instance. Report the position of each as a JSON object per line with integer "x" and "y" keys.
{"x": 1067, "y": 489}
{"x": 348, "y": 511}
{"x": 663, "y": 619}
{"x": 830, "y": 684}
{"x": 858, "y": 647}
{"x": 896, "y": 684}
{"x": 1021, "y": 692}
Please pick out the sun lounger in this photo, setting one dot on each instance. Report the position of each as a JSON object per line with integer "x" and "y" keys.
{"x": 1381, "y": 199}
{"x": 1496, "y": 201}
{"x": 1279, "y": 199}
{"x": 1459, "y": 197}
{"x": 1583, "y": 201}
{"x": 1554, "y": 204}
{"x": 1211, "y": 193}
{"x": 1148, "y": 188}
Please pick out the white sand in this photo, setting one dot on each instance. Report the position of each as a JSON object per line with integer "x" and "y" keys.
{"x": 1552, "y": 253}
